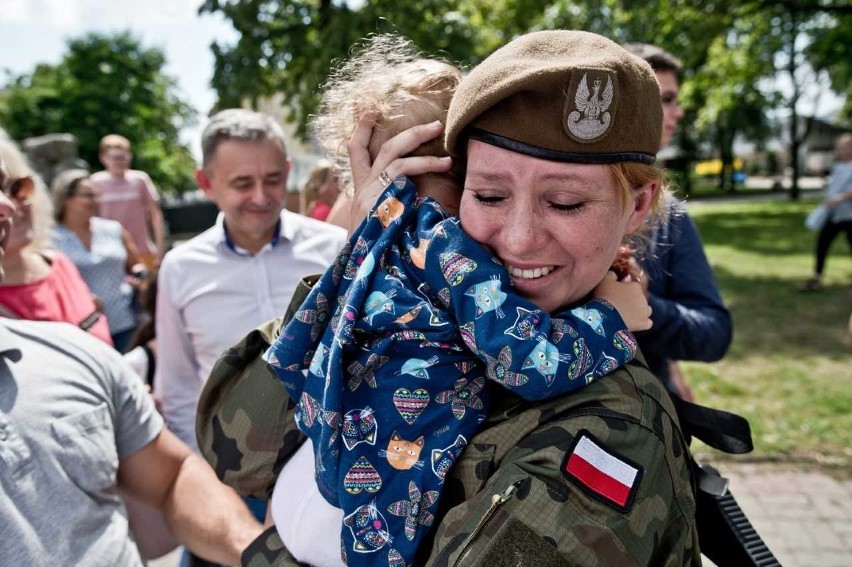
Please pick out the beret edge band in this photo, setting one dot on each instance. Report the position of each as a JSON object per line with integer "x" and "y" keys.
{"x": 553, "y": 155}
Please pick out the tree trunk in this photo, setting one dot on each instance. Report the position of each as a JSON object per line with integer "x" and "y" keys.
{"x": 720, "y": 143}
{"x": 795, "y": 141}
{"x": 725, "y": 141}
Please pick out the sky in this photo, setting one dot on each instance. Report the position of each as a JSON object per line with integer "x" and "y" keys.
{"x": 35, "y": 31}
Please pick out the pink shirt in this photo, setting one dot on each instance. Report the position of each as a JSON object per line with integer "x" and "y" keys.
{"x": 320, "y": 211}
{"x": 125, "y": 200}
{"x": 60, "y": 296}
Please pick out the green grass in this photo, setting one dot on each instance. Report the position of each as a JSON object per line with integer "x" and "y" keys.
{"x": 789, "y": 369}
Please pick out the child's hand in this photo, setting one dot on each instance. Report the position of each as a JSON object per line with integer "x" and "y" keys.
{"x": 628, "y": 298}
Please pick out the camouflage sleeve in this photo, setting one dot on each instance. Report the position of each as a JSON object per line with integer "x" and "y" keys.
{"x": 542, "y": 507}
{"x": 268, "y": 551}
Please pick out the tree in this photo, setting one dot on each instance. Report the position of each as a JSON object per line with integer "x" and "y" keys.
{"x": 731, "y": 65}
{"x": 287, "y": 47}
{"x": 831, "y": 51}
{"x": 811, "y": 21}
{"x": 726, "y": 89}
{"x": 106, "y": 84}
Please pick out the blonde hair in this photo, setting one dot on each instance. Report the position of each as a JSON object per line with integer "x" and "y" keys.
{"x": 113, "y": 142}
{"x": 385, "y": 77}
{"x": 321, "y": 174}
{"x": 41, "y": 211}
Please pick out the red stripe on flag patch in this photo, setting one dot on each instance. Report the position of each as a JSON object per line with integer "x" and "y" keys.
{"x": 601, "y": 472}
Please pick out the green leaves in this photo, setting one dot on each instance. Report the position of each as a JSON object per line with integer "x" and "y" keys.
{"x": 287, "y": 47}
{"x": 107, "y": 83}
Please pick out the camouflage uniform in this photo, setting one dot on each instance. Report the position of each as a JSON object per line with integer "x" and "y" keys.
{"x": 508, "y": 500}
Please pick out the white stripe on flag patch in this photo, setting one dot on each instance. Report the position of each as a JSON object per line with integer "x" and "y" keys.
{"x": 608, "y": 464}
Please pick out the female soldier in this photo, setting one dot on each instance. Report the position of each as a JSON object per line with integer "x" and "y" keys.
{"x": 558, "y": 132}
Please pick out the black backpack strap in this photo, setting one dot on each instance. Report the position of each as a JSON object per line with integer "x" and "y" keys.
{"x": 725, "y": 535}
{"x": 722, "y": 430}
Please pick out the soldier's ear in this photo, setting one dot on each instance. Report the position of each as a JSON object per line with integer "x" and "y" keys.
{"x": 643, "y": 202}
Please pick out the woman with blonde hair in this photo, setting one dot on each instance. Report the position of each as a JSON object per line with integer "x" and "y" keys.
{"x": 41, "y": 284}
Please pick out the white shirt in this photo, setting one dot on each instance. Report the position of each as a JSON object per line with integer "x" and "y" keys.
{"x": 308, "y": 525}
{"x": 209, "y": 295}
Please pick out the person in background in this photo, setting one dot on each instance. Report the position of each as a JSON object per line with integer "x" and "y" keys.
{"x": 79, "y": 429}
{"x": 838, "y": 200}
{"x": 690, "y": 319}
{"x": 101, "y": 249}
{"x": 241, "y": 272}
{"x": 130, "y": 197}
{"x": 321, "y": 190}
{"x": 41, "y": 284}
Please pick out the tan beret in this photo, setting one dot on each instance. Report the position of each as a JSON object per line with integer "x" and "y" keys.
{"x": 561, "y": 95}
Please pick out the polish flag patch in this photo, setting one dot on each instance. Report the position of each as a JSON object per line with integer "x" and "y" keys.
{"x": 600, "y": 472}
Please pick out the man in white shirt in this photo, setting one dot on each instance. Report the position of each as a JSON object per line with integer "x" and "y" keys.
{"x": 224, "y": 282}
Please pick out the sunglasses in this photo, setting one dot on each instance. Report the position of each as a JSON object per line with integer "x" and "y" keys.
{"x": 20, "y": 189}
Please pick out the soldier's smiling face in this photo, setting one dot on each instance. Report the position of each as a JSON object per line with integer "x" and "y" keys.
{"x": 556, "y": 226}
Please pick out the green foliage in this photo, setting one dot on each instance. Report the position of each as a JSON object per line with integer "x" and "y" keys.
{"x": 106, "y": 84}
{"x": 831, "y": 51}
{"x": 287, "y": 47}
{"x": 727, "y": 47}
{"x": 786, "y": 370}
{"x": 725, "y": 89}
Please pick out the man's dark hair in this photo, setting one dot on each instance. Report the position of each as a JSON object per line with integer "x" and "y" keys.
{"x": 659, "y": 59}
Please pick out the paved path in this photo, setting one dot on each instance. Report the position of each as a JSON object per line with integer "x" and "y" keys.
{"x": 804, "y": 515}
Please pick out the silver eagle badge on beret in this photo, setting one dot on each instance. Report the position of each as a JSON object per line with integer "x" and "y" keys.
{"x": 587, "y": 115}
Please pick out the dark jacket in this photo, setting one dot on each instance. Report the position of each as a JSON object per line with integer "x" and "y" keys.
{"x": 690, "y": 320}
